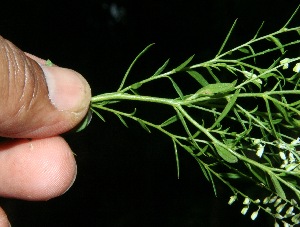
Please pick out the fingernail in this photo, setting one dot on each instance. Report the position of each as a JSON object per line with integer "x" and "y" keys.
{"x": 68, "y": 90}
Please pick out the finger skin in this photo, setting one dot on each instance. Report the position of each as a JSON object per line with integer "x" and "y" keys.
{"x": 3, "y": 219}
{"x": 37, "y": 169}
{"x": 26, "y": 110}
{"x": 44, "y": 167}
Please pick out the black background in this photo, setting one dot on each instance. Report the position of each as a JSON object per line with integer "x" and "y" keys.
{"x": 127, "y": 177}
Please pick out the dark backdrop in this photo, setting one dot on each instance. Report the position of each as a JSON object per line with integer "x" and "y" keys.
{"x": 127, "y": 177}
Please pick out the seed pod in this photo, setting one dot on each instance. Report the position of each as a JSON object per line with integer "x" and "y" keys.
{"x": 246, "y": 201}
{"x": 278, "y": 201}
{"x": 280, "y": 207}
{"x": 290, "y": 210}
{"x": 273, "y": 199}
{"x": 266, "y": 200}
{"x": 254, "y": 215}
{"x": 244, "y": 210}
{"x": 232, "y": 199}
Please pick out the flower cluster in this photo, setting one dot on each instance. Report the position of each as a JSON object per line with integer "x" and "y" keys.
{"x": 250, "y": 75}
{"x": 281, "y": 210}
{"x": 289, "y": 162}
{"x": 285, "y": 65}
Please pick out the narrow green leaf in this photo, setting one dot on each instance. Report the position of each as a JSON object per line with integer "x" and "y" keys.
{"x": 133, "y": 112}
{"x": 270, "y": 116}
{"x": 226, "y": 154}
{"x": 204, "y": 171}
{"x": 277, "y": 42}
{"x": 226, "y": 39}
{"x": 184, "y": 64}
{"x": 99, "y": 115}
{"x": 197, "y": 76}
{"x": 231, "y": 175}
{"x": 290, "y": 19}
{"x": 188, "y": 149}
{"x": 213, "y": 75}
{"x": 244, "y": 50}
{"x": 185, "y": 126}
{"x": 136, "y": 85}
{"x": 207, "y": 175}
{"x": 213, "y": 183}
{"x": 144, "y": 126}
{"x": 283, "y": 111}
{"x": 176, "y": 156}
{"x": 86, "y": 121}
{"x": 276, "y": 61}
{"x": 227, "y": 108}
{"x": 169, "y": 121}
{"x": 253, "y": 53}
{"x": 213, "y": 89}
{"x": 132, "y": 64}
{"x": 220, "y": 88}
{"x": 297, "y": 103}
{"x": 134, "y": 92}
{"x": 260, "y": 27}
{"x": 231, "y": 71}
{"x": 122, "y": 120}
{"x": 202, "y": 151}
{"x": 240, "y": 119}
{"x": 161, "y": 69}
{"x": 277, "y": 186}
{"x": 177, "y": 89}
{"x": 257, "y": 173}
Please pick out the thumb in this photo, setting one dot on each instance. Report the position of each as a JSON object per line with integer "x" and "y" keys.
{"x": 38, "y": 100}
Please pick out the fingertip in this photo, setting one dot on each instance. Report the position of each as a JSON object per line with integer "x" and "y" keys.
{"x": 38, "y": 169}
{"x": 4, "y": 222}
{"x": 43, "y": 100}
{"x": 68, "y": 90}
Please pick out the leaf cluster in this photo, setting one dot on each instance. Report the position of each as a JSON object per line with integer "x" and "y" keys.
{"x": 241, "y": 122}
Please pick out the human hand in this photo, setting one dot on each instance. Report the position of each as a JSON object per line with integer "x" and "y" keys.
{"x": 37, "y": 103}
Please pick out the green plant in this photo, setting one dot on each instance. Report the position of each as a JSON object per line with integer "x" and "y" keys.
{"x": 241, "y": 123}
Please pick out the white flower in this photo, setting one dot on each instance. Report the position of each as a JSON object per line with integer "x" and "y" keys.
{"x": 291, "y": 157}
{"x": 285, "y": 63}
{"x": 290, "y": 167}
{"x": 252, "y": 75}
{"x": 296, "y": 69}
{"x": 284, "y": 164}
{"x": 296, "y": 141}
{"x": 282, "y": 155}
{"x": 282, "y": 145}
{"x": 260, "y": 150}
{"x": 256, "y": 141}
